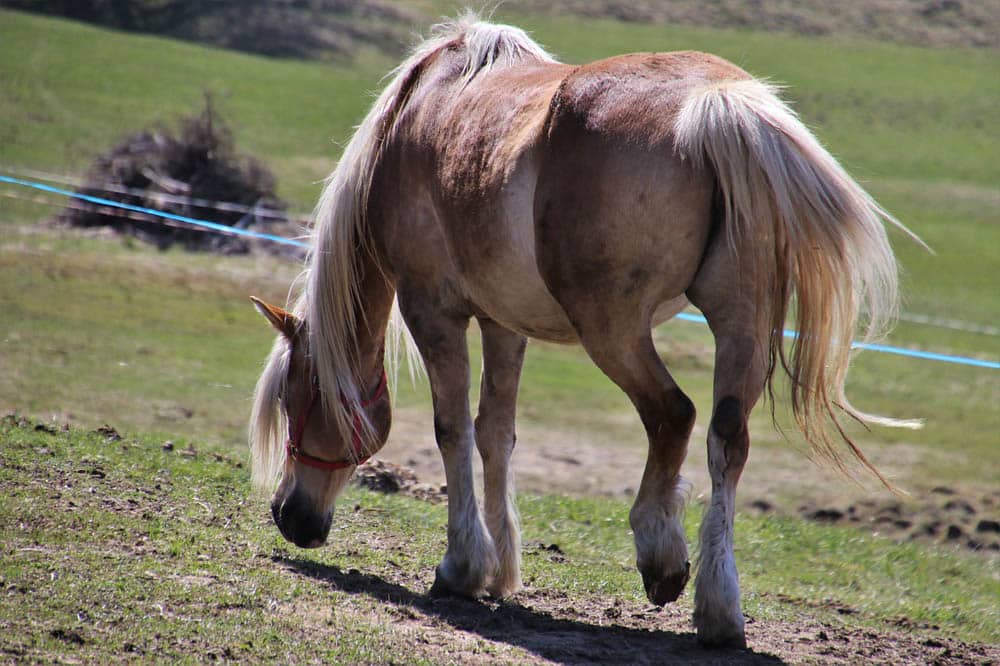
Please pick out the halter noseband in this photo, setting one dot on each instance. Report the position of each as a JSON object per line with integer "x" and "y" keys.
{"x": 293, "y": 446}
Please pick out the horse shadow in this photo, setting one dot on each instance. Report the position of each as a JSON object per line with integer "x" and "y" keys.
{"x": 561, "y": 640}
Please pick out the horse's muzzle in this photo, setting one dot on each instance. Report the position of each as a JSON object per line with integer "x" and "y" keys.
{"x": 299, "y": 523}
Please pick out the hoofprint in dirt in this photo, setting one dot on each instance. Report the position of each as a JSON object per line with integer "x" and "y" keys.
{"x": 573, "y": 463}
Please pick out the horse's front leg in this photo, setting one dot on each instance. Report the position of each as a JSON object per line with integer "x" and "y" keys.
{"x": 470, "y": 562}
{"x": 503, "y": 355}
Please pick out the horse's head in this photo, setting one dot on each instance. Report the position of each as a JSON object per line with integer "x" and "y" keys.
{"x": 294, "y": 435}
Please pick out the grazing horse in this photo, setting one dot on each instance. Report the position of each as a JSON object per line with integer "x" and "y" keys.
{"x": 573, "y": 204}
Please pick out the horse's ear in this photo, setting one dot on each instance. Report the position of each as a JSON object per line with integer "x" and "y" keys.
{"x": 285, "y": 322}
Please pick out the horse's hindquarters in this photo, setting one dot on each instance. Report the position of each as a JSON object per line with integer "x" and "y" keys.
{"x": 620, "y": 228}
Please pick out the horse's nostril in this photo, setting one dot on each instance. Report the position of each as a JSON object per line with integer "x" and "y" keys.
{"x": 309, "y": 535}
{"x": 299, "y": 523}
{"x": 282, "y": 521}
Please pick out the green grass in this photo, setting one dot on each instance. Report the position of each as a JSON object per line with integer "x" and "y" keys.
{"x": 165, "y": 342}
{"x": 70, "y": 91}
{"x": 121, "y": 549}
{"x": 101, "y": 331}
{"x": 96, "y": 330}
{"x": 124, "y": 550}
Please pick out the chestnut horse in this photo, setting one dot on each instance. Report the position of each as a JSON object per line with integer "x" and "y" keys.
{"x": 574, "y": 204}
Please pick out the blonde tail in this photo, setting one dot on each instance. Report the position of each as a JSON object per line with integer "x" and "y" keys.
{"x": 826, "y": 245}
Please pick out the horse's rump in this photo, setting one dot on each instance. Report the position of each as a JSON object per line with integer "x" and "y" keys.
{"x": 621, "y": 215}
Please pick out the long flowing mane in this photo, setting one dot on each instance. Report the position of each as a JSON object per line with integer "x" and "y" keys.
{"x": 330, "y": 303}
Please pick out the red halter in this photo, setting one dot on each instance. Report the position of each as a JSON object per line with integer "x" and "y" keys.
{"x": 293, "y": 446}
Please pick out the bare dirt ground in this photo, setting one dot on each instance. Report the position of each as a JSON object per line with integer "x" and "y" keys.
{"x": 553, "y": 628}
{"x": 778, "y": 479}
{"x": 546, "y": 626}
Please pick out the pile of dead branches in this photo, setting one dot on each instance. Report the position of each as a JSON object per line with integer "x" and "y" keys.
{"x": 193, "y": 172}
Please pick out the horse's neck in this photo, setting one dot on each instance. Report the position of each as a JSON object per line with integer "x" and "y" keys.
{"x": 372, "y": 315}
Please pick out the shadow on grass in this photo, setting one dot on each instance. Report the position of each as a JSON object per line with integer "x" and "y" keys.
{"x": 560, "y": 640}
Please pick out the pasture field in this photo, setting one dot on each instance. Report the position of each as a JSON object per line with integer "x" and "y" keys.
{"x": 134, "y": 549}
{"x": 164, "y": 346}
{"x": 925, "y": 151}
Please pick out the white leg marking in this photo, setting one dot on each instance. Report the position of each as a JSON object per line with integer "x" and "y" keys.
{"x": 659, "y": 529}
{"x": 504, "y": 526}
{"x": 660, "y": 543}
{"x": 470, "y": 561}
{"x": 717, "y": 613}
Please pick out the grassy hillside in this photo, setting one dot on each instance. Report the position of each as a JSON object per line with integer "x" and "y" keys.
{"x": 942, "y": 24}
{"x": 910, "y": 122}
{"x": 164, "y": 346}
{"x": 870, "y": 101}
{"x": 320, "y": 29}
{"x": 70, "y": 90}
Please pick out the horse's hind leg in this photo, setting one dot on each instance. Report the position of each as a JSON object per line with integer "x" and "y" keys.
{"x": 740, "y": 372}
{"x": 470, "y": 561}
{"x": 626, "y": 354}
{"x": 503, "y": 355}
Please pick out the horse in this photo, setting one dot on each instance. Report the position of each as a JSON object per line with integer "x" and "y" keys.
{"x": 579, "y": 205}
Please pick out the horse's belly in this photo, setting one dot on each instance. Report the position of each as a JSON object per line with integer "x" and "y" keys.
{"x": 517, "y": 299}
{"x": 522, "y": 307}
{"x": 669, "y": 309}
{"x": 500, "y": 277}
{"x": 496, "y": 260}
{"x": 508, "y": 288}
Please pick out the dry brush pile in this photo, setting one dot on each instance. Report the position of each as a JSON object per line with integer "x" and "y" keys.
{"x": 194, "y": 172}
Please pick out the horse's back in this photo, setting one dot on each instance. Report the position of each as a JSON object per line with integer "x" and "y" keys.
{"x": 628, "y": 95}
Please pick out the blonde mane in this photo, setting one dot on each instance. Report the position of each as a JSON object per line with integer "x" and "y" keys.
{"x": 268, "y": 424}
{"x": 330, "y": 301}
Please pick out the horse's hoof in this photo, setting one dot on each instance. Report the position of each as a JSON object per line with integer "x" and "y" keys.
{"x": 499, "y": 591}
{"x": 722, "y": 639}
{"x": 442, "y": 588}
{"x": 439, "y": 588}
{"x": 662, "y": 590}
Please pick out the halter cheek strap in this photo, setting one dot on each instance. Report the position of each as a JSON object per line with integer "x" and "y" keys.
{"x": 293, "y": 446}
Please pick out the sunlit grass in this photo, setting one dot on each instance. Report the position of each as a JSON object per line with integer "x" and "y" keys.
{"x": 138, "y": 549}
{"x": 104, "y": 330}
